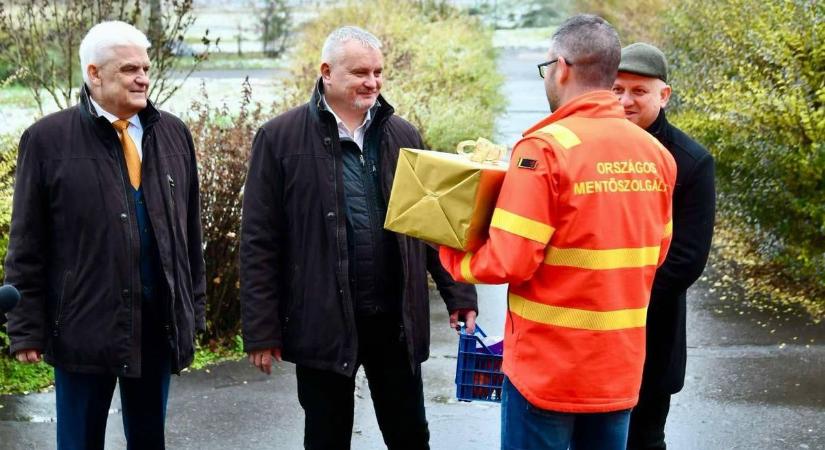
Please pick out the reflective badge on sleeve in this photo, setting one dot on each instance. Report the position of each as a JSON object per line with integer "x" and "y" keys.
{"x": 525, "y": 163}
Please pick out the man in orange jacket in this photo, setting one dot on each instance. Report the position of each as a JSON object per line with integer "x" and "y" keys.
{"x": 582, "y": 221}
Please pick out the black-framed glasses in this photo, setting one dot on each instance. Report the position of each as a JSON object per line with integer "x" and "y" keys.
{"x": 543, "y": 66}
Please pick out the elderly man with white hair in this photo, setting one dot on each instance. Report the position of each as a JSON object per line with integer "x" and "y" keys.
{"x": 105, "y": 247}
{"x": 323, "y": 285}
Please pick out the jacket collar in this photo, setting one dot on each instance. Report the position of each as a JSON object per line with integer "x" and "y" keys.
{"x": 320, "y": 112}
{"x": 148, "y": 115}
{"x": 595, "y": 104}
{"x": 660, "y": 128}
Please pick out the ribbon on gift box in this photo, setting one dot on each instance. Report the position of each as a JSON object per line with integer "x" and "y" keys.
{"x": 481, "y": 150}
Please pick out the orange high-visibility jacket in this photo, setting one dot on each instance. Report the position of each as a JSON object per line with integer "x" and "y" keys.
{"x": 581, "y": 224}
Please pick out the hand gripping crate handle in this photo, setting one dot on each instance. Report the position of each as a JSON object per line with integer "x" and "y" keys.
{"x": 478, "y": 339}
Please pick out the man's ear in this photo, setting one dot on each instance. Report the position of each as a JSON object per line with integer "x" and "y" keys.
{"x": 664, "y": 95}
{"x": 325, "y": 72}
{"x": 94, "y": 74}
{"x": 562, "y": 70}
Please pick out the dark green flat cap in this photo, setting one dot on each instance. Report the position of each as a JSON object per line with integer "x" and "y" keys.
{"x": 644, "y": 59}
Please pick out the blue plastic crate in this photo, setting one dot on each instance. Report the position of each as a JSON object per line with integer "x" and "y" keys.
{"x": 478, "y": 374}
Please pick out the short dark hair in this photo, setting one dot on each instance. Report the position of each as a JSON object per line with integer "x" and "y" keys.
{"x": 592, "y": 46}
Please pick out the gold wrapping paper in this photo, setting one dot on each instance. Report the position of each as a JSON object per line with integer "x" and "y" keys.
{"x": 444, "y": 198}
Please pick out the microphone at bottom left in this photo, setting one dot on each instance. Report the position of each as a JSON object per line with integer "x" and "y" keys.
{"x": 9, "y": 296}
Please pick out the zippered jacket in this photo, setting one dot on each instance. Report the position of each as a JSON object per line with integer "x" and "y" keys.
{"x": 74, "y": 244}
{"x": 582, "y": 221}
{"x": 295, "y": 261}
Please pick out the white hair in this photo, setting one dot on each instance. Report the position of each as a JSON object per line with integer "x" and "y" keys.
{"x": 101, "y": 38}
{"x": 336, "y": 40}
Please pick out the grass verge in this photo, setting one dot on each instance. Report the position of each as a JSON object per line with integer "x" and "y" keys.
{"x": 17, "y": 378}
{"x": 233, "y": 61}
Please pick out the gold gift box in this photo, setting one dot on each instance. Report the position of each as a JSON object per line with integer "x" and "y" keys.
{"x": 443, "y": 198}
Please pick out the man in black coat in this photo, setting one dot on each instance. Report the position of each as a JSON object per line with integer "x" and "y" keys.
{"x": 323, "y": 285}
{"x": 642, "y": 89}
{"x": 105, "y": 247}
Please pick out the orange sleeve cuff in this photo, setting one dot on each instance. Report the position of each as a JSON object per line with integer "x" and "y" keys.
{"x": 451, "y": 261}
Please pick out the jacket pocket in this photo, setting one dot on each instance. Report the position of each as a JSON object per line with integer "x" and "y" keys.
{"x": 61, "y": 300}
{"x": 172, "y": 205}
{"x": 177, "y": 223}
{"x": 289, "y": 299}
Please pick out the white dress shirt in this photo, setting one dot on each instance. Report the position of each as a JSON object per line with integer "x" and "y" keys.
{"x": 135, "y": 129}
{"x": 345, "y": 134}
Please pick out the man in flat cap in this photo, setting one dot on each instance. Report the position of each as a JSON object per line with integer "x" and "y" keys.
{"x": 642, "y": 89}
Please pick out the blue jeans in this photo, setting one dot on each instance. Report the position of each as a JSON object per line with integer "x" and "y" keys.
{"x": 525, "y": 427}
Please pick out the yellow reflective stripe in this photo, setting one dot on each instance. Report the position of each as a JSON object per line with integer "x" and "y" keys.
{"x": 669, "y": 228}
{"x": 566, "y": 138}
{"x": 466, "y": 272}
{"x": 617, "y": 258}
{"x": 521, "y": 226}
{"x": 581, "y": 319}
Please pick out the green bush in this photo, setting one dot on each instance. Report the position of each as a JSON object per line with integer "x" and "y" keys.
{"x": 750, "y": 76}
{"x": 635, "y": 20}
{"x": 440, "y": 67}
{"x": 223, "y": 141}
{"x": 8, "y": 161}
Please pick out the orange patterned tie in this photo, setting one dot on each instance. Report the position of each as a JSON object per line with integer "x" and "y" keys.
{"x": 129, "y": 152}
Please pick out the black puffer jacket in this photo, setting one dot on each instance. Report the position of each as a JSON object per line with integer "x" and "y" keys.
{"x": 375, "y": 265}
{"x": 74, "y": 247}
{"x": 295, "y": 290}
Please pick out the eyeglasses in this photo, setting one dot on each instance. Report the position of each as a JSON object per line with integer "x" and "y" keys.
{"x": 543, "y": 66}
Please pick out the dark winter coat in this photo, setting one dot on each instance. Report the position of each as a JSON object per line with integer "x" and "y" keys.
{"x": 74, "y": 245}
{"x": 295, "y": 266}
{"x": 694, "y": 209}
